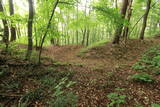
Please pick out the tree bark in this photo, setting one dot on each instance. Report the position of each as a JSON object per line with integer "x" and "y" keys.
{"x": 84, "y": 36}
{"x": 120, "y": 27}
{"x": 88, "y": 33}
{"x": 13, "y": 29}
{"x": 129, "y": 14}
{"x": 145, "y": 19}
{"x": 30, "y": 28}
{"x": 6, "y": 28}
{"x": 116, "y": 4}
{"x": 77, "y": 34}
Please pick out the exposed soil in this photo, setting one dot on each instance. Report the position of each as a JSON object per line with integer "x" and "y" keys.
{"x": 100, "y": 71}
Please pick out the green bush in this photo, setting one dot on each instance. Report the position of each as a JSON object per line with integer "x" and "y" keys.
{"x": 142, "y": 77}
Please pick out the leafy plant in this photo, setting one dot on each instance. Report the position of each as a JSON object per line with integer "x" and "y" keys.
{"x": 116, "y": 99}
{"x": 138, "y": 66}
{"x": 155, "y": 105}
{"x": 33, "y": 95}
{"x": 62, "y": 99}
{"x": 156, "y": 60}
{"x": 143, "y": 77}
{"x": 48, "y": 81}
{"x": 66, "y": 100}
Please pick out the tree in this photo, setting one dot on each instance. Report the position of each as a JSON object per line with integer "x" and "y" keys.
{"x": 120, "y": 26}
{"x": 48, "y": 26}
{"x": 148, "y": 6}
{"x": 30, "y": 24}
{"x": 129, "y": 14}
{"x": 6, "y": 29}
{"x": 13, "y": 30}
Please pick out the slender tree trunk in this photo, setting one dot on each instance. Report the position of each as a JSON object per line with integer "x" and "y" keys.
{"x": 145, "y": 19}
{"x": 77, "y": 34}
{"x": 6, "y": 28}
{"x": 48, "y": 26}
{"x": 18, "y": 30}
{"x": 30, "y": 28}
{"x": 87, "y": 42}
{"x": 84, "y": 36}
{"x": 13, "y": 29}
{"x": 85, "y": 28}
{"x": 120, "y": 27}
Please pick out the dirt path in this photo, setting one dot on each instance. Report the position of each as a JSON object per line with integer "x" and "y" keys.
{"x": 107, "y": 56}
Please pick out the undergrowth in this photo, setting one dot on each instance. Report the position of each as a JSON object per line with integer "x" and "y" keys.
{"x": 116, "y": 99}
{"x": 148, "y": 66}
{"x": 16, "y": 52}
{"x": 47, "y": 85}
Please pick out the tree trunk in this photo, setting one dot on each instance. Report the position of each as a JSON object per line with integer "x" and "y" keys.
{"x": 120, "y": 27}
{"x": 30, "y": 26}
{"x": 18, "y": 31}
{"x": 88, "y": 32}
{"x": 13, "y": 30}
{"x": 116, "y": 4}
{"x": 6, "y": 28}
{"x": 126, "y": 29}
{"x": 77, "y": 34}
{"x": 145, "y": 19}
{"x": 84, "y": 36}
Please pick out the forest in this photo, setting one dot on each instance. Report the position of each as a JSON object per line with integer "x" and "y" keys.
{"x": 79, "y": 53}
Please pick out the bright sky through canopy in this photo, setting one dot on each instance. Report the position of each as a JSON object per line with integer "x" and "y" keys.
{"x": 22, "y": 5}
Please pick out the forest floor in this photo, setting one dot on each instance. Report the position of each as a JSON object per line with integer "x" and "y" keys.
{"x": 91, "y": 76}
